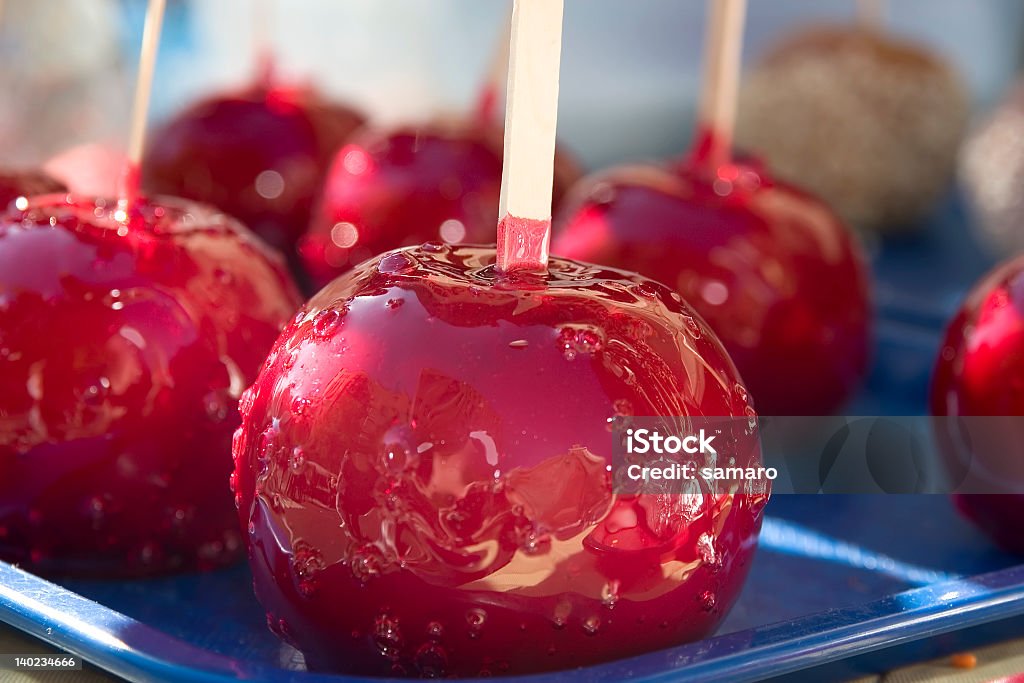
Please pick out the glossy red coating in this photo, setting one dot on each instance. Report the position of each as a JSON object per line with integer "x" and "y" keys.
{"x": 125, "y": 342}
{"x": 14, "y": 184}
{"x": 772, "y": 270}
{"x": 410, "y": 185}
{"x": 980, "y": 372}
{"x": 259, "y": 155}
{"x": 523, "y": 244}
{"x": 424, "y": 470}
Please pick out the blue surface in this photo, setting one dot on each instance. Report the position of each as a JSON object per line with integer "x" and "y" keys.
{"x": 836, "y": 577}
{"x": 811, "y": 598}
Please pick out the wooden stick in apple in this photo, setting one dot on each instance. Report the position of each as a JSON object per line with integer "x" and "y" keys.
{"x": 497, "y": 73}
{"x": 871, "y": 14}
{"x": 723, "y": 57}
{"x": 531, "y": 116}
{"x": 263, "y": 52}
{"x": 129, "y": 189}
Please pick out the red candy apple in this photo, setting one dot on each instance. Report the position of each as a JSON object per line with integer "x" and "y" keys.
{"x": 14, "y": 184}
{"x": 980, "y": 372}
{"x": 407, "y": 186}
{"x": 259, "y": 155}
{"x": 126, "y": 338}
{"x": 424, "y": 470}
{"x": 770, "y": 269}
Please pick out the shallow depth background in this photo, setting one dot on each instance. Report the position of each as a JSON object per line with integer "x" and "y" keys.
{"x": 628, "y": 88}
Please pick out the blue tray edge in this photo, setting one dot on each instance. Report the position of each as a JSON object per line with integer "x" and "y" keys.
{"x": 125, "y": 647}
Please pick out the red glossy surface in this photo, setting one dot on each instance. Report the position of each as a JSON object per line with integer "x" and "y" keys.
{"x": 771, "y": 269}
{"x": 14, "y": 184}
{"x": 259, "y": 155}
{"x": 423, "y": 470}
{"x": 406, "y": 186}
{"x": 980, "y": 371}
{"x": 122, "y": 357}
{"x": 523, "y": 244}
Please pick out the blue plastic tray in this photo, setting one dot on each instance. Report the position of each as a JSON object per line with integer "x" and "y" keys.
{"x": 836, "y": 577}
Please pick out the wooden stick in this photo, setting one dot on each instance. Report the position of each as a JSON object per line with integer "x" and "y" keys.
{"x": 497, "y": 75}
{"x": 531, "y": 117}
{"x": 263, "y": 53}
{"x": 871, "y": 14}
{"x": 723, "y": 61}
{"x": 140, "y": 107}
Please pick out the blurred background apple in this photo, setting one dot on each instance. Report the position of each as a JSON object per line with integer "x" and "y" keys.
{"x": 629, "y": 67}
